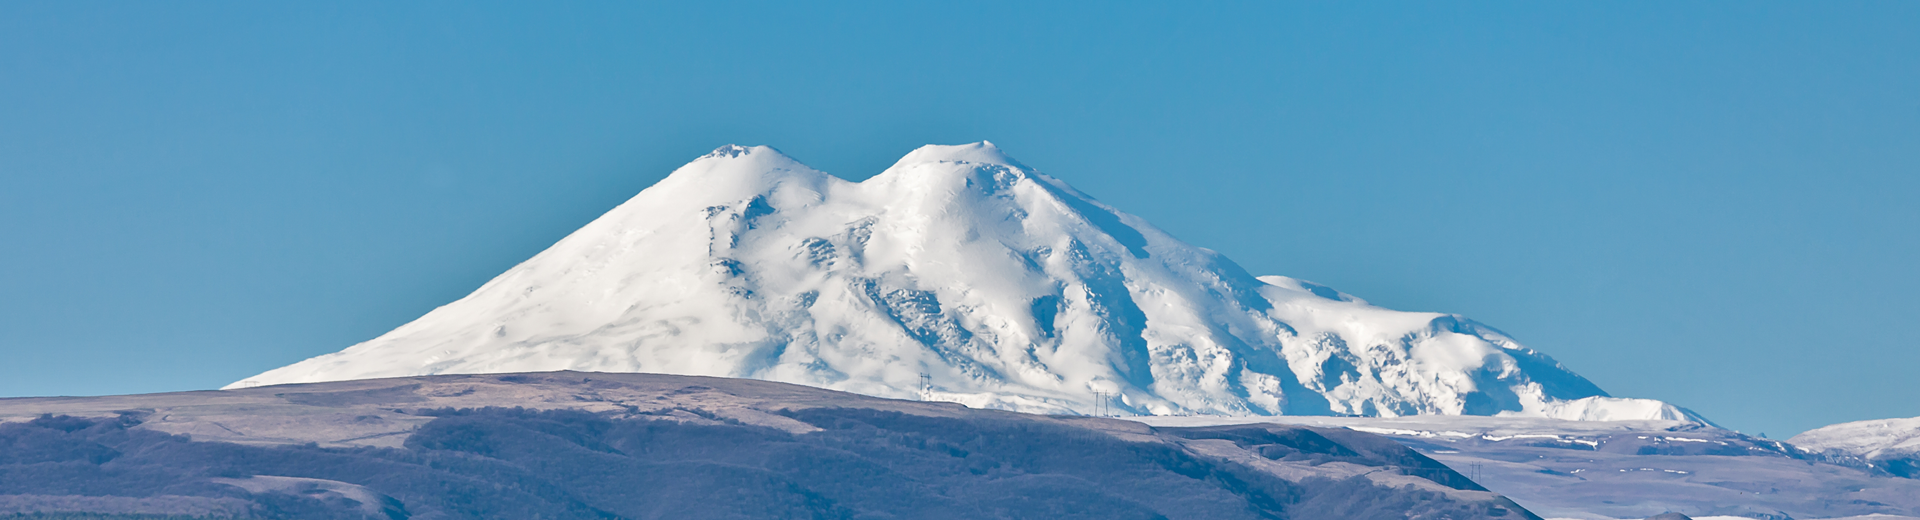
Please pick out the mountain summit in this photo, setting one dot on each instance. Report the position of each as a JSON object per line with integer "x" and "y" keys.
{"x": 1005, "y": 287}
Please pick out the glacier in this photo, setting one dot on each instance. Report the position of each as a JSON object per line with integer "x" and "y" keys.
{"x": 958, "y": 274}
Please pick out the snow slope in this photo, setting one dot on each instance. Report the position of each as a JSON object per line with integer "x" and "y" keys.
{"x": 1891, "y": 444}
{"x": 1007, "y": 287}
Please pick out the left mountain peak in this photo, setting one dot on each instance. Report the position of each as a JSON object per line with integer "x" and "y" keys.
{"x": 727, "y": 174}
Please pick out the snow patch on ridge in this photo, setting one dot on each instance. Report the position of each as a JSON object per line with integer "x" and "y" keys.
{"x": 1599, "y": 408}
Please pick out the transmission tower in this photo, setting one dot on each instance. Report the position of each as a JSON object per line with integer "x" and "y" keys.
{"x": 926, "y": 386}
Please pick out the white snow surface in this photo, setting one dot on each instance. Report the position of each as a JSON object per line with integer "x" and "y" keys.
{"x": 1875, "y": 439}
{"x": 1601, "y": 408}
{"x": 1007, "y": 287}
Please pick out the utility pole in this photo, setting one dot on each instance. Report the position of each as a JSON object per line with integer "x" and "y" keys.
{"x": 926, "y": 386}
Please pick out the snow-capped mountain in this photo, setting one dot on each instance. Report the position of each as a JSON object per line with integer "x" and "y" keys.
{"x": 1005, "y": 287}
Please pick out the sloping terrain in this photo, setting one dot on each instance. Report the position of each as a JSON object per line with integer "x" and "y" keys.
{"x": 1892, "y": 445}
{"x": 1005, "y": 287}
{"x": 611, "y": 446}
{"x": 1633, "y": 469}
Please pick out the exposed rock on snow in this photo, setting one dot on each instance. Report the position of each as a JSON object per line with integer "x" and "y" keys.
{"x": 1007, "y": 287}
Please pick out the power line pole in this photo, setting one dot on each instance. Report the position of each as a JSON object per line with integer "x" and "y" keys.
{"x": 926, "y": 386}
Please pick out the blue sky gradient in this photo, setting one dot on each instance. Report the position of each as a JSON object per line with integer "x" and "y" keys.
{"x": 1710, "y": 203}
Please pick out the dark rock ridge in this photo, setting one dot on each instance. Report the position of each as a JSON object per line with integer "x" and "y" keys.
{"x": 615, "y": 446}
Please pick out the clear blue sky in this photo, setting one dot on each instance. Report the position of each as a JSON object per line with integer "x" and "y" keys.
{"x": 1710, "y": 203}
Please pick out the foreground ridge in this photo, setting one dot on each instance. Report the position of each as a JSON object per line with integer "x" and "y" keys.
{"x": 572, "y": 445}
{"x": 1005, "y": 287}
